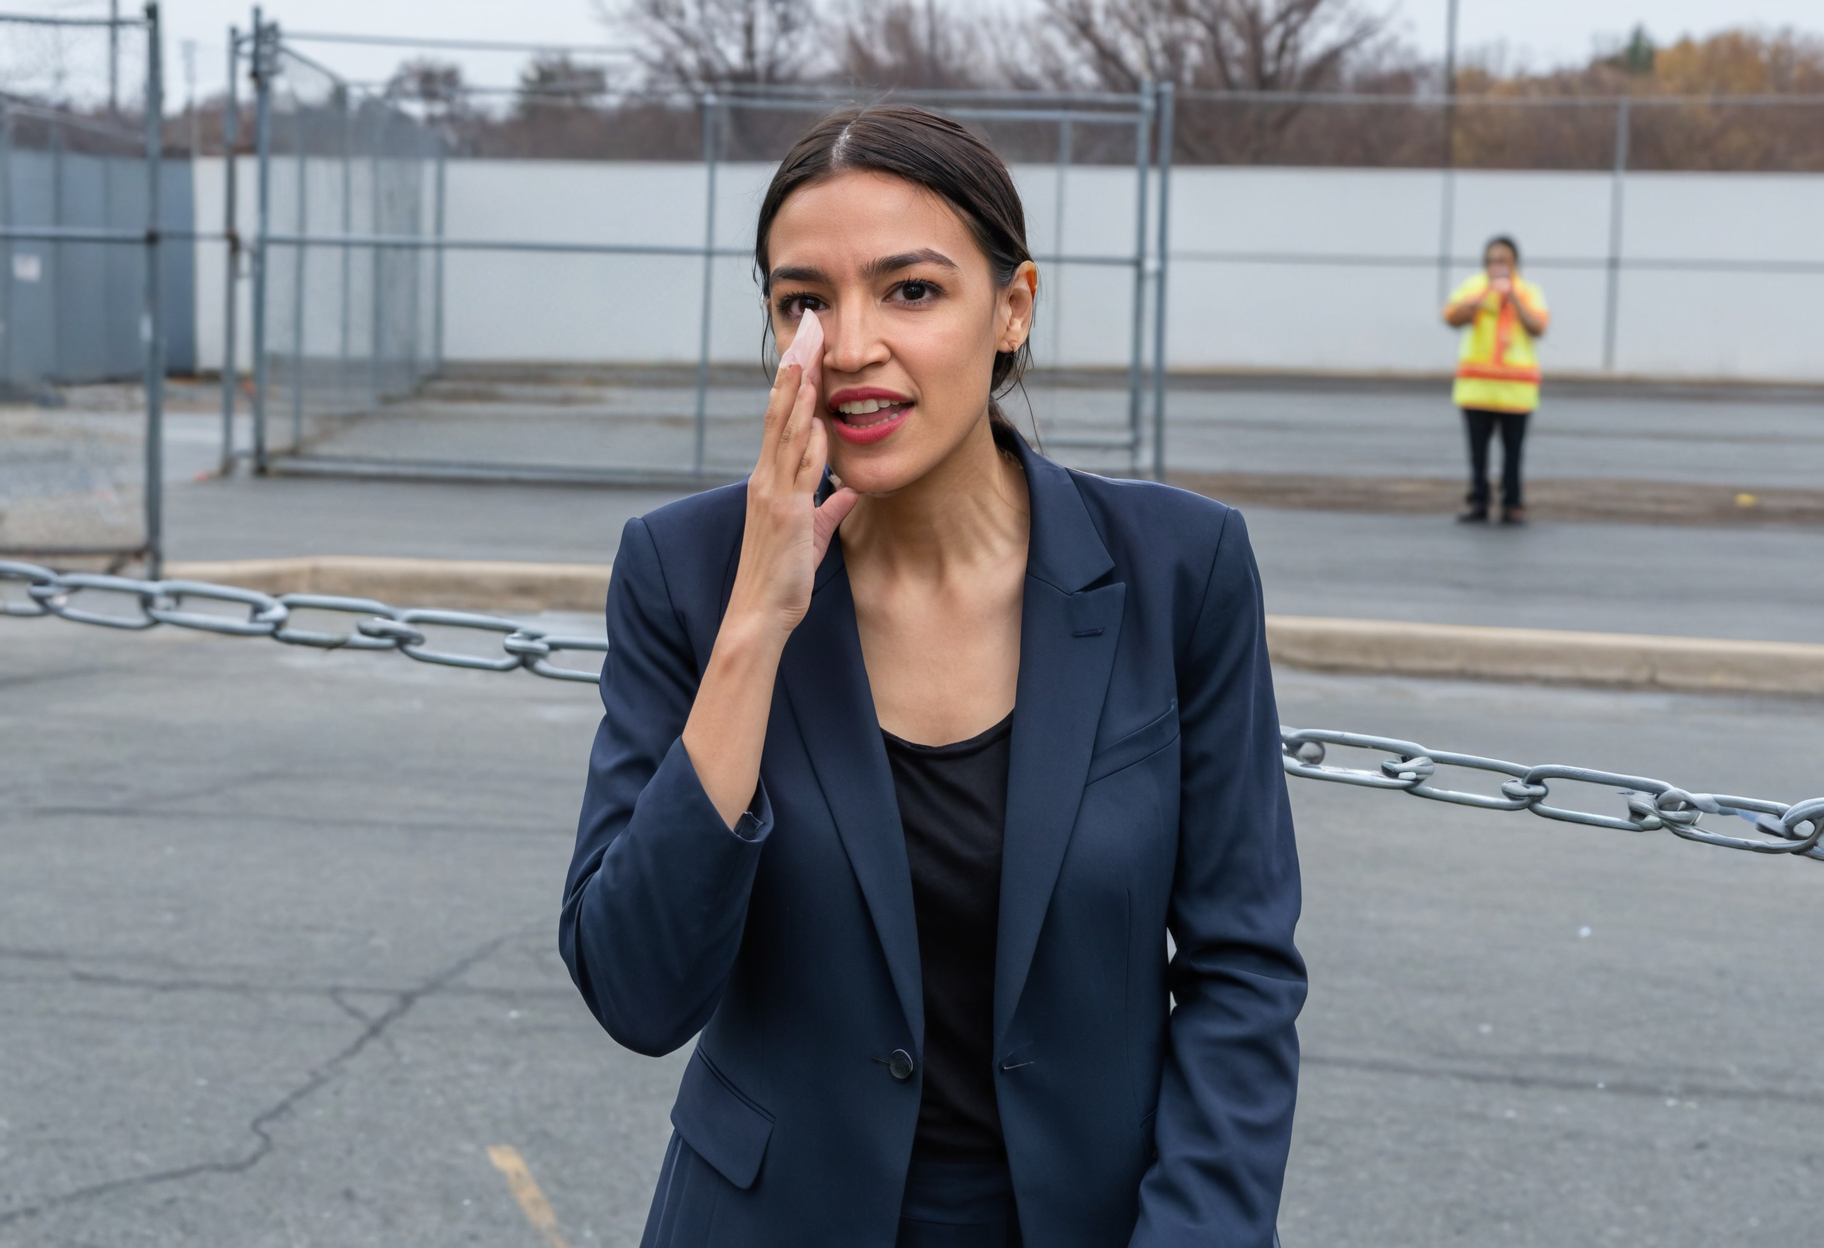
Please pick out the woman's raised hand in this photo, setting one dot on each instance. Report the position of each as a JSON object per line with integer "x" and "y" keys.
{"x": 784, "y": 541}
{"x": 787, "y": 534}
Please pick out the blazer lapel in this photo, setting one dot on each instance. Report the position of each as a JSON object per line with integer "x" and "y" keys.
{"x": 827, "y": 684}
{"x": 1068, "y": 633}
{"x": 1070, "y": 624}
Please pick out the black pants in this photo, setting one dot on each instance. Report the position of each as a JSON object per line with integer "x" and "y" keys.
{"x": 958, "y": 1204}
{"x": 1480, "y": 426}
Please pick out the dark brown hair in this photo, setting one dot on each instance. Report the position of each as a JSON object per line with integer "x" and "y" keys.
{"x": 936, "y": 153}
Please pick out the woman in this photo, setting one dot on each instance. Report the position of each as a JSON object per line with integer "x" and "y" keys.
{"x": 1497, "y": 371}
{"x": 898, "y": 819}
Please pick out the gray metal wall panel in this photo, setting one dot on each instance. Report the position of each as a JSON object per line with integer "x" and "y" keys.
{"x": 72, "y": 309}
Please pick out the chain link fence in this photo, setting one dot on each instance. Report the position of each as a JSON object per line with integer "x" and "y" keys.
{"x": 1647, "y": 804}
{"x": 346, "y": 312}
{"x": 400, "y": 231}
{"x": 1093, "y": 174}
{"x": 87, "y": 282}
{"x": 1700, "y": 277}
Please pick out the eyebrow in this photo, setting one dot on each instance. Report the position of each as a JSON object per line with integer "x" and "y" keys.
{"x": 798, "y": 273}
{"x": 905, "y": 260}
{"x": 874, "y": 268}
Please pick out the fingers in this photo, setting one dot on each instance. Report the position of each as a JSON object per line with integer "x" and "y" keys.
{"x": 795, "y": 443}
{"x": 779, "y": 405}
{"x": 795, "y": 439}
{"x": 816, "y": 454}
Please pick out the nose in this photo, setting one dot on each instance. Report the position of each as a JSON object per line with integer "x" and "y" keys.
{"x": 851, "y": 336}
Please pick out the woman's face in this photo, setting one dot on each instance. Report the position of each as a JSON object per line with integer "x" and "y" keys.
{"x": 1499, "y": 261}
{"x": 911, "y": 317}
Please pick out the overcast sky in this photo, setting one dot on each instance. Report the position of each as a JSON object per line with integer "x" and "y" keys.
{"x": 1532, "y": 32}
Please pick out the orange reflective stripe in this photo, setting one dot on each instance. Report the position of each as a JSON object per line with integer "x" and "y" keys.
{"x": 1504, "y": 328}
{"x": 1497, "y": 372}
{"x": 1521, "y": 299}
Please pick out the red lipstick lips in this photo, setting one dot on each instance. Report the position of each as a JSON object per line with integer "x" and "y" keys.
{"x": 869, "y": 426}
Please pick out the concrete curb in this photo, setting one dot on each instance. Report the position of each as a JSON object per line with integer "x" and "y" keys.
{"x": 1627, "y": 660}
{"x": 479, "y": 585}
{"x": 1389, "y": 647}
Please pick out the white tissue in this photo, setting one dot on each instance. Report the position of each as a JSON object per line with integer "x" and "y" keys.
{"x": 806, "y": 350}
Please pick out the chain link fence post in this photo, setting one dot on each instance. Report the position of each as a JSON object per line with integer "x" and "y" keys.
{"x": 1612, "y": 302}
{"x": 153, "y": 328}
{"x": 231, "y": 133}
{"x": 700, "y": 432}
{"x": 263, "y": 38}
{"x": 1136, "y": 366}
{"x": 1167, "y": 107}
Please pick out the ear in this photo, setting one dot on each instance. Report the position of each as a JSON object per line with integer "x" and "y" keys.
{"x": 1015, "y": 306}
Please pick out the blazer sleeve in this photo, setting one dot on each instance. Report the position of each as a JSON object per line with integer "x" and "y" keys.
{"x": 658, "y": 889}
{"x": 1230, "y": 1078}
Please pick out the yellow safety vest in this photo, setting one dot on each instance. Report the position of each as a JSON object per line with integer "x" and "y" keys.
{"x": 1497, "y": 369}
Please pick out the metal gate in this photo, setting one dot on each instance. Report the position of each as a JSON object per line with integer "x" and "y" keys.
{"x": 362, "y": 294}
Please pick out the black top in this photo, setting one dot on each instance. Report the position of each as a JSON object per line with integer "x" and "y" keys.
{"x": 953, "y": 806}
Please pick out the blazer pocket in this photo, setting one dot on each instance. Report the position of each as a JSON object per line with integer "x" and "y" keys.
{"x": 721, "y": 1125}
{"x": 1136, "y": 745}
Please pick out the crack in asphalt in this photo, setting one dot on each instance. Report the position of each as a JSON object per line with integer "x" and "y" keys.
{"x": 340, "y": 997}
{"x": 1607, "y": 1085}
{"x": 56, "y": 675}
{"x": 365, "y": 823}
{"x": 181, "y": 976}
{"x": 238, "y": 988}
{"x": 133, "y": 804}
{"x": 320, "y": 1077}
{"x": 25, "y": 954}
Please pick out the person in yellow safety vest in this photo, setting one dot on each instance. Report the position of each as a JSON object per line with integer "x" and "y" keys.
{"x": 1502, "y": 315}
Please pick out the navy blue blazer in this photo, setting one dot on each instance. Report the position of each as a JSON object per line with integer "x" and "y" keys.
{"x": 1145, "y": 795}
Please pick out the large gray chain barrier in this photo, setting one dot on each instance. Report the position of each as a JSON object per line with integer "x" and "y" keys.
{"x": 1651, "y": 805}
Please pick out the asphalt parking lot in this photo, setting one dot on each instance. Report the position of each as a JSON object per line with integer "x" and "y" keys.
{"x": 279, "y": 959}
{"x": 278, "y": 932}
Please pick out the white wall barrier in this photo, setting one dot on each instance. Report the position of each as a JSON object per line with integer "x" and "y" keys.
{"x": 1284, "y": 270}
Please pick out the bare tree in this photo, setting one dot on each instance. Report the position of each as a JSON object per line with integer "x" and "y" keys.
{"x": 1113, "y": 45}
{"x": 559, "y": 81}
{"x": 1211, "y": 45}
{"x": 912, "y": 43}
{"x": 706, "y": 45}
{"x": 1224, "y": 45}
{"x": 435, "y": 86}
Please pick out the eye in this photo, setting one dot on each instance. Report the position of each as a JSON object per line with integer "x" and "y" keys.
{"x": 918, "y": 291}
{"x": 793, "y": 307}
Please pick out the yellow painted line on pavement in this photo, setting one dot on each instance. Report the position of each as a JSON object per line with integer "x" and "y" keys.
{"x": 525, "y": 1191}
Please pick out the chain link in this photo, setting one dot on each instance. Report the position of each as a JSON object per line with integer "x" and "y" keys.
{"x": 1651, "y": 805}
{"x": 376, "y": 626}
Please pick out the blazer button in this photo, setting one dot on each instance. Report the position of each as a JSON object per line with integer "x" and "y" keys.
{"x": 900, "y": 1065}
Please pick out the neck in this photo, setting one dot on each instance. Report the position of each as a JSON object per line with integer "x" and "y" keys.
{"x": 969, "y": 509}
